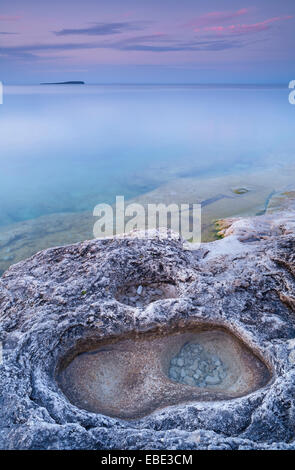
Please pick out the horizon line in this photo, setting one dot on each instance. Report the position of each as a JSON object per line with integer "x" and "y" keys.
{"x": 216, "y": 84}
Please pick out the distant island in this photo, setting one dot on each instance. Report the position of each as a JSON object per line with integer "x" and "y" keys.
{"x": 65, "y": 83}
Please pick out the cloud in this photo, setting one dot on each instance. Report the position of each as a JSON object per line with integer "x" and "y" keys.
{"x": 152, "y": 43}
{"x": 162, "y": 43}
{"x": 9, "y": 18}
{"x": 217, "y": 17}
{"x": 5, "y": 33}
{"x": 207, "y": 46}
{"x": 240, "y": 29}
{"x": 101, "y": 29}
{"x": 31, "y": 51}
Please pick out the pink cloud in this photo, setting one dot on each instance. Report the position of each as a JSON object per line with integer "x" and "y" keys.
{"x": 128, "y": 14}
{"x": 217, "y": 17}
{"x": 244, "y": 28}
{"x": 9, "y": 18}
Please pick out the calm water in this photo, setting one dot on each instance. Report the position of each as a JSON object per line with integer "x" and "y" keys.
{"x": 68, "y": 148}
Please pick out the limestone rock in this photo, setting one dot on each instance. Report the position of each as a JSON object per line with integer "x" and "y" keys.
{"x": 66, "y": 301}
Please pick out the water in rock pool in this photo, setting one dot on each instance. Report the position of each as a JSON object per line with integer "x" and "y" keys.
{"x": 134, "y": 376}
{"x": 63, "y": 150}
{"x": 194, "y": 366}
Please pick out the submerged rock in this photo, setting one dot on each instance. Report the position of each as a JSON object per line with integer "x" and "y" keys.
{"x": 86, "y": 367}
{"x": 240, "y": 190}
{"x": 267, "y": 189}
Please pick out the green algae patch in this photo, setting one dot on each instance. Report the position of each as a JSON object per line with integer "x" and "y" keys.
{"x": 290, "y": 194}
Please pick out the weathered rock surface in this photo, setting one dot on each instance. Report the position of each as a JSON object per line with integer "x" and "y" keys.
{"x": 63, "y": 300}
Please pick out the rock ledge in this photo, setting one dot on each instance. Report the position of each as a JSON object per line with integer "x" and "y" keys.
{"x": 61, "y": 298}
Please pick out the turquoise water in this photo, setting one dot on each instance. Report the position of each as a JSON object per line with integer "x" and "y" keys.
{"x": 68, "y": 148}
{"x": 65, "y": 149}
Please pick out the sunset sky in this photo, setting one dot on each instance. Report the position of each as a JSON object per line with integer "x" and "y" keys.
{"x": 147, "y": 41}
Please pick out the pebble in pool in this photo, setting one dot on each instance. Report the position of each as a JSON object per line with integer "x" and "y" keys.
{"x": 194, "y": 366}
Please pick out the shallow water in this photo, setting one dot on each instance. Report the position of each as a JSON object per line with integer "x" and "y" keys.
{"x": 64, "y": 149}
{"x": 132, "y": 377}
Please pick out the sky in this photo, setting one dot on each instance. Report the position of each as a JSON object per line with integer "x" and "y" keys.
{"x": 147, "y": 41}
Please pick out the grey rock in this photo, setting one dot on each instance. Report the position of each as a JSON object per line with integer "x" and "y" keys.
{"x": 212, "y": 380}
{"x": 139, "y": 290}
{"x": 197, "y": 375}
{"x": 43, "y": 315}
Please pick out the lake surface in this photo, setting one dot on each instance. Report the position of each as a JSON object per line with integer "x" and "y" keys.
{"x": 64, "y": 149}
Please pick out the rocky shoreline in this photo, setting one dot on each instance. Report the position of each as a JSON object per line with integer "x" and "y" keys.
{"x": 224, "y": 196}
{"x": 70, "y": 302}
